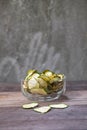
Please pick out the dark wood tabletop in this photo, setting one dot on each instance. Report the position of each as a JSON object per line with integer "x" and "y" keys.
{"x": 14, "y": 117}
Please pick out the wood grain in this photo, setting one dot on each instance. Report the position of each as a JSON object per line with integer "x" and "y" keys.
{"x": 70, "y": 85}
{"x": 15, "y": 99}
{"x": 14, "y": 117}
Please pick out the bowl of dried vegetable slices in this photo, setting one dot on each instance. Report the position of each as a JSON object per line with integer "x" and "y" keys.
{"x": 43, "y": 86}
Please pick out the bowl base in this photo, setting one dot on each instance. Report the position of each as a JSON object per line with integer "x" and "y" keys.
{"x": 50, "y": 97}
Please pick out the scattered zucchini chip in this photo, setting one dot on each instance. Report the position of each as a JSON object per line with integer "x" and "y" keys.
{"x": 60, "y": 106}
{"x": 43, "y": 109}
{"x": 31, "y": 105}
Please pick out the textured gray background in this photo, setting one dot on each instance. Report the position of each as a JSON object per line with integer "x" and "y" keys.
{"x": 43, "y": 34}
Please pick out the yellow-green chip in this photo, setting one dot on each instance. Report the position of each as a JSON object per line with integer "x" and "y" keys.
{"x": 60, "y": 106}
{"x": 43, "y": 109}
{"x": 40, "y": 91}
{"x": 30, "y": 105}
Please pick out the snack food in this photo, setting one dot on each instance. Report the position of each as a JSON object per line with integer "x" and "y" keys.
{"x": 30, "y": 105}
{"x": 60, "y": 106}
{"x": 43, "y": 84}
{"x": 43, "y": 109}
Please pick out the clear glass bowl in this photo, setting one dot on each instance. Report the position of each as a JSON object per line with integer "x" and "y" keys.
{"x": 49, "y": 97}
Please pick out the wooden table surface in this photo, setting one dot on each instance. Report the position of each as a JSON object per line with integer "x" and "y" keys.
{"x": 13, "y": 117}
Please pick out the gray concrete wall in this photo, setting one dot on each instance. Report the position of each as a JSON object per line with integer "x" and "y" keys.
{"x": 43, "y": 34}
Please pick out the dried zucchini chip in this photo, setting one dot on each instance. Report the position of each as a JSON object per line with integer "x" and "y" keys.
{"x": 57, "y": 86}
{"x": 31, "y": 105}
{"x": 42, "y": 82}
{"x": 27, "y": 78}
{"x": 24, "y": 89}
{"x": 30, "y": 72}
{"x": 48, "y": 73}
{"x": 43, "y": 109}
{"x": 24, "y": 86}
{"x": 59, "y": 105}
{"x": 32, "y": 83}
{"x": 55, "y": 79}
{"x": 61, "y": 76}
{"x": 40, "y": 91}
{"x": 44, "y": 77}
{"x": 35, "y": 75}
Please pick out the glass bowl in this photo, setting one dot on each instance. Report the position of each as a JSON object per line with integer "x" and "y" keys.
{"x": 60, "y": 89}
